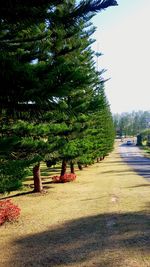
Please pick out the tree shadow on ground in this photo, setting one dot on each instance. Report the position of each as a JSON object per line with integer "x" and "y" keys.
{"x": 111, "y": 161}
{"x": 117, "y": 172}
{"x": 16, "y": 195}
{"x": 30, "y": 192}
{"x": 139, "y": 185}
{"x": 101, "y": 241}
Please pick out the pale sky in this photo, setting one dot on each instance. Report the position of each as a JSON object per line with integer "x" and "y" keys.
{"x": 123, "y": 36}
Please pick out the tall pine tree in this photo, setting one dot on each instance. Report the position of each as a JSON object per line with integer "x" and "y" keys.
{"x": 45, "y": 63}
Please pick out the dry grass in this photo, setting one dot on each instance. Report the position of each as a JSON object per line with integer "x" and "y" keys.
{"x": 101, "y": 219}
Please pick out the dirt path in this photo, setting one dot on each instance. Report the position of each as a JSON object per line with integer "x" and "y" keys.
{"x": 101, "y": 219}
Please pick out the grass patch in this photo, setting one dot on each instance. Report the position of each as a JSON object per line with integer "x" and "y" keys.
{"x": 101, "y": 219}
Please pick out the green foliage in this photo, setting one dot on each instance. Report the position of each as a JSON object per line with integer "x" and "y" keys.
{"x": 131, "y": 123}
{"x": 144, "y": 136}
{"x": 12, "y": 173}
{"x": 43, "y": 46}
{"x": 53, "y": 101}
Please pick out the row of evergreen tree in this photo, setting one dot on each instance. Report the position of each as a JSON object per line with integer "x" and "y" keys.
{"x": 53, "y": 101}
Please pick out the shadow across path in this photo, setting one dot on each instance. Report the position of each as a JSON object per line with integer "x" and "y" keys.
{"x": 102, "y": 241}
{"x": 134, "y": 158}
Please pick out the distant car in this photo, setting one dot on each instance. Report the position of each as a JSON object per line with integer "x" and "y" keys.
{"x": 129, "y": 142}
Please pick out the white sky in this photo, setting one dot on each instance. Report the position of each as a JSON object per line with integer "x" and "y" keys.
{"x": 123, "y": 36}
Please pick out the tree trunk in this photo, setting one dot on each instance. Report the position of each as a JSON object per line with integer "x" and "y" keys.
{"x": 37, "y": 178}
{"x": 97, "y": 160}
{"x": 63, "y": 167}
{"x": 80, "y": 166}
{"x": 72, "y": 167}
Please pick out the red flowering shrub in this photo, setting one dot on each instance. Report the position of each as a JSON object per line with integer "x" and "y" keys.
{"x": 56, "y": 179}
{"x": 68, "y": 177}
{"x": 8, "y": 211}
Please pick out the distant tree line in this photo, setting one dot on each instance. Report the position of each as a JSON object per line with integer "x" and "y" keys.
{"x": 131, "y": 123}
{"x": 53, "y": 103}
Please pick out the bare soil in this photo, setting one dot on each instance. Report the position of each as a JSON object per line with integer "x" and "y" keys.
{"x": 102, "y": 219}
